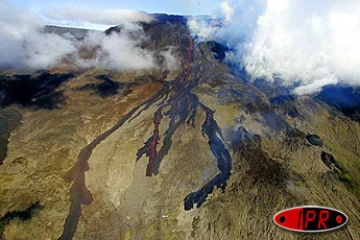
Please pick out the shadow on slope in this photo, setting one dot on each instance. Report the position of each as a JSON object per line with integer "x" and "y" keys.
{"x": 33, "y": 90}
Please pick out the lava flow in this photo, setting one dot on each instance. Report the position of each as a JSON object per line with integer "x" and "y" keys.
{"x": 181, "y": 107}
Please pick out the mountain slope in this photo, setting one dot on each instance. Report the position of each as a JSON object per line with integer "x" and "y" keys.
{"x": 195, "y": 153}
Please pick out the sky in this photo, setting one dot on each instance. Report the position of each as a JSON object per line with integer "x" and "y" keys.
{"x": 57, "y": 12}
{"x": 182, "y": 7}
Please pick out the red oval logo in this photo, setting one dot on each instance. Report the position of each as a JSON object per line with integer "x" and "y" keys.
{"x": 310, "y": 219}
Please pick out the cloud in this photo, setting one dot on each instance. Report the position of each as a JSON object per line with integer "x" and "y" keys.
{"x": 117, "y": 51}
{"x": 24, "y": 44}
{"x": 123, "y": 51}
{"x": 232, "y": 24}
{"x": 304, "y": 43}
{"x": 170, "y": 59}
{"x": 227, "y": 10}
{"x": 95, "y": 16}
{"x": 203, "y": 29}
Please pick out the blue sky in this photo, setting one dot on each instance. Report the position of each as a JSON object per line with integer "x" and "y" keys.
{"x": 97, "y": 14}
{"x": 184, "y": 7}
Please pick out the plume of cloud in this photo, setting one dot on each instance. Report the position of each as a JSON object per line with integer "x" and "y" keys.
{"x": 24, "y": 44}
{"x": 203, "y": 29}
{"x": 227, "y": 10}
{"x": 123, "y": 51}
{"x": 117, "y": 51}
{"x": 95, "y": 16}
{"x": 306, "y": 44}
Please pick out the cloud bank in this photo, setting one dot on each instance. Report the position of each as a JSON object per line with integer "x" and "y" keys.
{"x": 122, "y": 51}
{"x": 96, "y": 16}
{"x": 22, "y": 45}
{"x": 305, "y": 44}
{"x": 25, "y": 45}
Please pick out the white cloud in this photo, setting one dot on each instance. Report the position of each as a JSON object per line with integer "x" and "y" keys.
{"x": 202, "y": 29}
{"x": 45, "y": 50}
{"x": 226, "y": 10}
{"x": 171, "y": 60}
{"x": 22, "y": 44}
{"x": 311, "y": 43}
{"x": 118, "y": 51}
{"x": 314, "y": 44}
{"x": 25, "y": 45}
{"x": 95, "y": 16}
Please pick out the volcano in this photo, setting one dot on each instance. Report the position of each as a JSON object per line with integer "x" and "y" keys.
{"x": 197, "y": 152}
